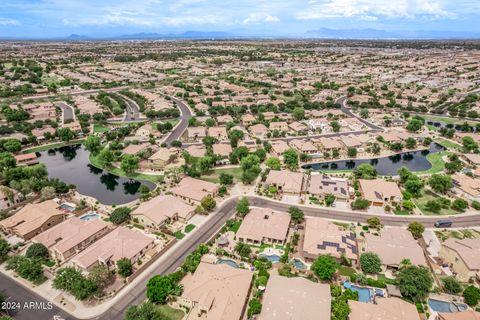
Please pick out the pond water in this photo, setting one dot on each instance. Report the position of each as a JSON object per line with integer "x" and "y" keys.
{"x": 385, "y": 166}
{"x": 71, "y": 165}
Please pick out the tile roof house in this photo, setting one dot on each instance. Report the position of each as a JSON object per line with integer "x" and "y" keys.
{"x": 33, "y": 219}
{"x": 71, "y": 236}
{"x": 393, "y": 245}
{"x": 9, "y": 197}
{"x": 463, "y": 315}
{"x": 196, "y": 150}
{"x": 162, "y": 158}
{"x": 26, "y": 159}
{"x": 280, "y": 126}
{"x": 222, "y": 149}
{"x": 162, "y": 209}
{"x": 295, "y": 299}
{"x": 195, "y": 133}
{"x": 133, "y": 149}
{"x": 219, "y": 133}
{"x": 297, "y": 127}
{"x": 468, "y": 185}
{"x": 384, "y": 309}
{"x": 379, "y": 191}
{"x": 324, "y": 237}
{"x": 463, "y": 255}
{"x": 247, "y": 119}
{"x": 216, "y": 292}
{"x": 194, "y": 189}
{"x": 328, "y": 144}
{"x": 286, "y": 181}
{"x": 263, "y": 225}
{"x": 321, "y": 185}
{"x": 279, "y": 147}
{"x": 120, "y": 243}
{"x": 258, "y": 130}
{"x": 304, "y": 146}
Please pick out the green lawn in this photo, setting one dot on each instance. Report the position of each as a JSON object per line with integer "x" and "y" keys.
{"x": 448, "y": 144}
{"x": 189, "y": 228}
{"x": 52, "y": 145}
{"x": 448, "y": 120}
{"x": 214, "y": 175}
{"x": 438, "y": 165}
{"x": 119, "y": 172}
{"x": 420, "y": 203}
{"x": 401, "y": 212}
{"x": 346, "y": 271}
{"x": 235, "y": 226}
{"x": 99, "y": 128}
{"x": 179, "y": 234}
{"x": 170, "y": 313}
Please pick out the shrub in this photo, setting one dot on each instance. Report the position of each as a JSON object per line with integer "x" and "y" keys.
{"x": 120, "y": 215}
{"x": 370, "y": 262}
{"x": 37, "y": 250}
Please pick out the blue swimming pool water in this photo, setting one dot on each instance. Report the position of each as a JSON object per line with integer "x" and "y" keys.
{"x": 446, "y": 306}
{"x": 67, "y": 207}
{"x": 364, "y": 294}
{"x": 297, "y": 263}
{"x": 273, "y": 258}
{"x": 90, "y": 216}
{"x": 228, "y": 262}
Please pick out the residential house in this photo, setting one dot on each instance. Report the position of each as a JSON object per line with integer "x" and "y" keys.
{"x": 9, "y": 198}
{"x": 258, "y": 130}
{"x": 196, "y": 150}
{"x": 467, "y": 185}
{"x": 394, "y": 244}
{"x": 324, "y": 237}
{"x": 384, "y": 308}
{"x": 320, "y": 185}
{"x": 194, "y": 189}
{"x": 379, "y": 191}
{"x": 304, "y": 146}
{"x": 219, "y": 133}
{"x": 133, "y": 149}
{"x": 328, "y": 144}
{"x": 162, "y": 209}
{"x": 161, "y": 158}
{"x": 216, "y": 292}
{"x": 287, "y": 182}
{"x": 281, "y": 126}
{"x": 462, "y": 315}
{"x": 247, "y": 119}
{"x": 195, "y": 134}
{"x": 26, "y": 159}
{"x": 263, "y": 225}
{"x": 33, "y": 219}
{"x": 71, "y": 236}
{"x": 463, "y": 255}
{"x": 295, "y": 299}
{"x": 222, "y": 149}
{"x": 120, "y": 243}
{"x": 298, "y": 127}
{"x": 279, "y": 147}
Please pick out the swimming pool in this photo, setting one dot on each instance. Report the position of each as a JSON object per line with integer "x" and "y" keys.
{"x": 90, "y": 216}
{"x": 228, "y": 262}
{"x": 297, "y": 263}
{"x": 273, "y": 258}
{"x": 67, "y": 206}
{"x": 364, "y": 294}
{"x": 446, "y": 306}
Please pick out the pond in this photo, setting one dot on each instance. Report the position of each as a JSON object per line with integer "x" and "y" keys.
{"x": 385, "y": 166}
{"x": 71, "y": 165}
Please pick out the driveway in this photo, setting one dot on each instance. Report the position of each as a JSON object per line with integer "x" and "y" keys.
{"x": 67, "y": 111}
{"x": 433, "y": 244}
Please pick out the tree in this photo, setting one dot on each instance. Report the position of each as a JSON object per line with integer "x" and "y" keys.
{"x": 12, "y": 145}
{"x": 144, "y": 311}
{"x": 374, "y": 223}
{"x": 329, "y": 199}
{"x": 298, "y": 113}
{"x": 254, "y": 307}
{"x": 243, "y": 249}
{"x": 471, "y": 294}
{"x": 73, "y": 281}
{"x": 364, "y": 113}
{"x": 208, "y": 203}
{"x": 273, "y": 163}
{"x": 226, "y": 179}
{"x": 235, "y": 135}
{"x": 129, "y": 164}
{"x": 101, "y": 275}
{"x": 93, "y": 144}
{"x": 120, "y": 215}
{"x": 296, "y": 214}
{"x": 37, "y": 251}
{"x": 370, "y": 262}
{"x": 242, "y": 207}
{"x": 416, "y": 228}
{"x": 440, "y": 183}
{"x": 365, "y": 171}
{"x": 414, "y": 185}
{"x": 251, "y": 168}
{"x": 7, "y": 161}
{"x": 290, "y": 158}
{"x": 415, "y": 282}
{"x": 124, "y": 267}
{"x": 160, "y": 288}
{"x": 105, "y": 158}
{"x": 410, "y": 143}
{"x": 469, "y": 144}
{"x": 4, "y": 250}
{"x": 325, "y": 267}
{"x": 459, "y": 204}
{"x": 352, "y": 152}
{"x": 451, "y": 285}
{"x": 335, "y": 126}
{"x": 414, "y": 125}
{"x": 66, "y": 134}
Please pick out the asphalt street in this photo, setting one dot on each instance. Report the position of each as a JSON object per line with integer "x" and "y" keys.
{"x": 177, "y": 132}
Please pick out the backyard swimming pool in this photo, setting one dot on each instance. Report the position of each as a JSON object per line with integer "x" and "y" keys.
{"x": 364, "y": 294}
{"x": 90, "y": 216}
{"x": 273, "y": 258}
{"x": 446, "y": 306}
{"x": 228, "y": 262}
{"x": 67, "y": 206}
{"x": 297, "y": 263}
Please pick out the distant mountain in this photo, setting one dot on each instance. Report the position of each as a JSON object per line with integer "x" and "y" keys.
{"x": 77, "y": 37}
{"x": 327, "y": 33}
{"x": 183, "y": 35}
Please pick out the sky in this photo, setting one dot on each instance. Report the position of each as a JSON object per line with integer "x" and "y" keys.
{"x": 60, "y": 18}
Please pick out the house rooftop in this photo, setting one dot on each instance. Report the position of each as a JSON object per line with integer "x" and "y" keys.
{"x": 162, "y": 208}
{"x": 384, "y": 309}
{"x": 262, "y": 223}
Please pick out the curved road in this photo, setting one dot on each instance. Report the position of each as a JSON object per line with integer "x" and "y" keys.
{"x": 180, "y": 128}
{"x": 345, "y": 109}
{"x": 175, "y": 256}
